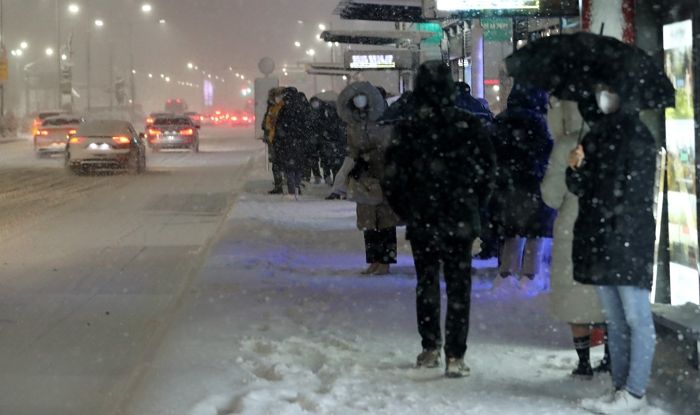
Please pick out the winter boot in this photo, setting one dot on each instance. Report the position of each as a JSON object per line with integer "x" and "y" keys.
{"x": 456, "y": 368}
{"x": 584, "y": 371}
{"x": 428, "y": 358}
{"x": 371, "y": 269}
{"x": 382, "y": 269}
{"x": 604, "y": 366}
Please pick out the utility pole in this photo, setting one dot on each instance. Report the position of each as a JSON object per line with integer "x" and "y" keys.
{"x": 58, "y": 53}
{"x": 89, "y": 71}
{"x": 3, "y": 50}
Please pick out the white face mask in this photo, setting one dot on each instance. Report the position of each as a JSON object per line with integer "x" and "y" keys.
{"x": 360, "y": 101}
{"x": 608, "y": 102}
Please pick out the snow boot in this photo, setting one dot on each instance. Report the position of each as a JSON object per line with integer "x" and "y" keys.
{"x": 584, "y": 371}
{"x": 428, "y": 358}
{"x": 456, "y": 368}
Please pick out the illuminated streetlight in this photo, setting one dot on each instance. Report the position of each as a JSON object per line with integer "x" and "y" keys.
{"x": 49, "y": 51}
{"x": 146, "y": 8}
{"x": 73, "y": 8}
{"x": 297, "y": 44}
{"x": 133, "y": 71}
{"x": 161, "y": 21}
{"x": 64, "y": 57}
{"x": 150, "y": 75}
{"x": 167, "y": 79}
{"x": 99, "y": 23}
{"x": 322, "y": 26}
{"x": 190, "y": 65}
{"x": 311, "y": 52}
{"x": 24, "y": 45}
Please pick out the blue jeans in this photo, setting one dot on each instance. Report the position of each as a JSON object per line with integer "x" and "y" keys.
{"x": 631, "y": 336}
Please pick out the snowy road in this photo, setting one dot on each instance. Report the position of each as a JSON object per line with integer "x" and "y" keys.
{"x": 92, "y": 267}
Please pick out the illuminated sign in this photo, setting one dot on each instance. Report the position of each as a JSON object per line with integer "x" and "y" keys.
{"x": 442, "y": 9}
{"x": 379, "y": 60}
{"x": 681, "y": 171}
{"x": 462, "y": 5}
{"x": 373, "y": 62}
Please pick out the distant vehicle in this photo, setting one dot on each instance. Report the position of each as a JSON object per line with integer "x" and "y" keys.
{"x": 52, "y": 135}
{"x": 195, "y": 117}
{"x": 41, "y": 116}
{"x": 173, "y": 132}
{"x": 106, "y": 144}
{"x": 241, "y": 119}
{"x": 176, "y": 106}
{"x": 152, "y": 117}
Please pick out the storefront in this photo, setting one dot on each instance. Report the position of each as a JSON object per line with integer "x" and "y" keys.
{"x": 675, "y": 25}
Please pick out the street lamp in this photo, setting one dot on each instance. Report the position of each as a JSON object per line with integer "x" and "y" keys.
{"x": 73, "y": 8}
{"x": 99, "y": 23}
{"x": 190, "y": 65}
{"x": 162, "y": 21}
{"x": 24, "y": 45}
{"x": 322, "y": 26}
{"x": 146, "y": 8}
{"x": 297, "y": 44}
{"x": 49, "y": 51}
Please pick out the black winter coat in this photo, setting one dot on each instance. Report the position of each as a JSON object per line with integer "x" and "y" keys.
{"x": 440, "y": 167}
{"x": 291, "y": 142}
{"x": 615, "y": 230}
{"x": 523, "y": 145}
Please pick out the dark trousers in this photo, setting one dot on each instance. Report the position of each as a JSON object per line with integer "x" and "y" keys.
{"x": 380, "y": 246}
{"x": 456, "y": 260}
{"x": 293, "y": 176}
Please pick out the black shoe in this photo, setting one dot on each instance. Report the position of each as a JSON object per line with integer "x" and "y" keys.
{"x": 603, "y": 367}
{"x": 583, "y": 371}
{"x": 333, "y": 196}
{"x": 275, "y": 191}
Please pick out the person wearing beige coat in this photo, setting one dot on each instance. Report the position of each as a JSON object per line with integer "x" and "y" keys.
{"x": 570, "y": 302}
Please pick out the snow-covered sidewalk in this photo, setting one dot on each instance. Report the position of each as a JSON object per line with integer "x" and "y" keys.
{"x": 281, "y": 323}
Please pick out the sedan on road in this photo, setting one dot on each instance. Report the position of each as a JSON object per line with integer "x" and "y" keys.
{"x": 106, "y": 144}
{"x": 52, "y": 136}
{"x": 173, "y": 132}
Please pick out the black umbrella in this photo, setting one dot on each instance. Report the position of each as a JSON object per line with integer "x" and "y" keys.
{"x": 570, "y": 65}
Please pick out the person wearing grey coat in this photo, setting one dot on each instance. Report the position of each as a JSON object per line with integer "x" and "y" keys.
{"x": 361, "y": 105}
{"x": 571, "y": 302}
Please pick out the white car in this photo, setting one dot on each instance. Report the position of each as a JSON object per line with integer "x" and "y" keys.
{"x": 106, "y": 144}
{"x": 52, "y": 136}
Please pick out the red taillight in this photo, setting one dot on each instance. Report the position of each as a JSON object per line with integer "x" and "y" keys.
{"x": 149, "y": 120}
{"x": 153, "y": 131}
{"x": 121, "y": 140}
{"x": 42, "y": 132}
{"x": 72, "y": 132}
{"x": 235, "y": 118}
{"x": 188, "y": 131}
{"x": 76, "y": 140}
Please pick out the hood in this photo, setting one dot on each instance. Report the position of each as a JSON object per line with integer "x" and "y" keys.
{"x": 434, "y": 85}
{"x": 529, "y": 98}
{"x": 350, "y": 114}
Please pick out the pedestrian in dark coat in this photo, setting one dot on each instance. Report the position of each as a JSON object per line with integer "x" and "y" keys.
{"x": 613, "y": 172}
{"x": 291, "y": 138}
{"x": 439, "y": 172}
{"x": 269, "y": 128}
{"x": 332, "y": 138}
{"x": 523, "y": 145}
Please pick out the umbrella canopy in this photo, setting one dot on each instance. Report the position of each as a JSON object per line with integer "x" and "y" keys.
{"x": 347, "y": 110}
{"x": 570, "y": 65}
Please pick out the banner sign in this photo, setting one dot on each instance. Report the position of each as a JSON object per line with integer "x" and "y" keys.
{"x": 442, "y": 9}
{"x": 379, "y": 60}
{"x": 497, "y": 29}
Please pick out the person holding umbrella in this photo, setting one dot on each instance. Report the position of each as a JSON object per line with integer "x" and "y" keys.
{"x": 613, "y": 174}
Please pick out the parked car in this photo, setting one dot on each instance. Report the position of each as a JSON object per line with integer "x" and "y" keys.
{"x": 173, "y": 132}
{"x": 52, "y": 135}
{"x": 106, "y": 144}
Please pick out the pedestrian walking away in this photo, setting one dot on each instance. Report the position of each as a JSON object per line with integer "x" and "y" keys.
{"x": 439, "y": 172}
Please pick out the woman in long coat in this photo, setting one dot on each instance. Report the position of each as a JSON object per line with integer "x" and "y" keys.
{"x": 361, "y": 105}
{"x": 570, "y": 301}
{"x": 613, "y": 172}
